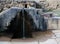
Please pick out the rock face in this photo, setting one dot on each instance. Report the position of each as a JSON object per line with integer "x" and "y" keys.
{"x": 54, "y": 4}
{"x": 51, "y": 4}
{"x": 48, "y": 4}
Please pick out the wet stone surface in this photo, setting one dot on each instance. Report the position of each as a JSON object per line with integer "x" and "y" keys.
{"x": 47, "y": 37}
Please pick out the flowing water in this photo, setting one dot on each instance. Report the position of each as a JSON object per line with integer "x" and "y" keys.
{"x": 7, "y": 16}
